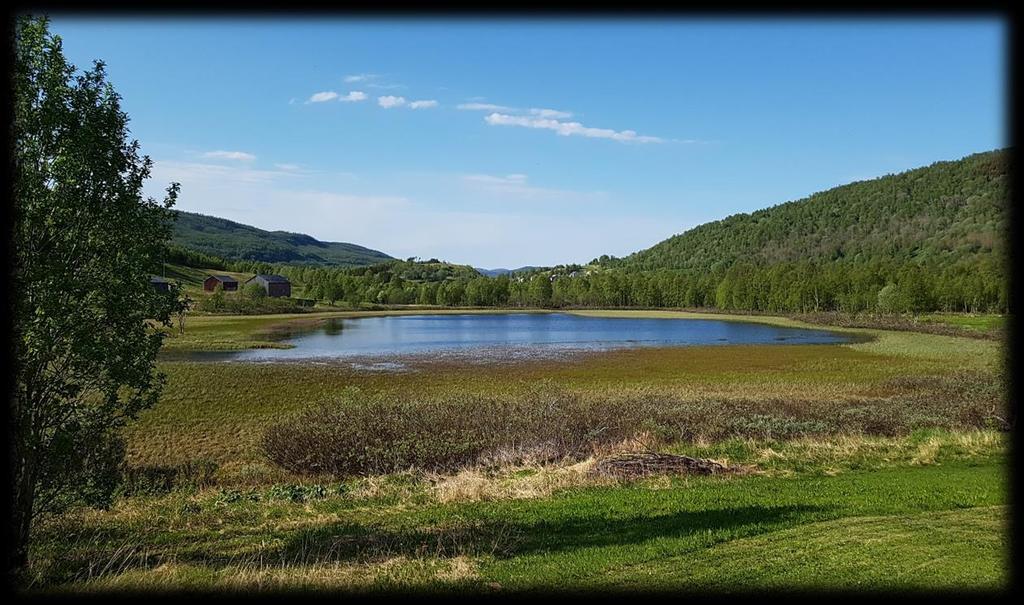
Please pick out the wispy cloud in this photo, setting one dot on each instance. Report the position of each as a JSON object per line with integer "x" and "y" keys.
{"x": 195, "y": 173}
{"x": 423, "y": 104}
{"x": 515, "y": 188}
{"x": 321, "y": 97}
{"x": 569, "y": 128}
{"x": 508, "y": 179}
{"x": 230, "y": 155}
{"x": 484, "y": 107}
{"x": 371, "y": 81}
{"x": 355, "y": 95}
{"x": 534, "y": 111}
{"x": 550, "y": 113}
{"x": 390, "y": 101}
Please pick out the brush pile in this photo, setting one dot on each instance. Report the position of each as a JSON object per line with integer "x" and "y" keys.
{"x": 644, "y": 464}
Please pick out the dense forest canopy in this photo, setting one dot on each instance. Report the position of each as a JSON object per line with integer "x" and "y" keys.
{"x": 944, "y": 214}
{"x": 927, "y": 239}
{"x": 218, "y": 237}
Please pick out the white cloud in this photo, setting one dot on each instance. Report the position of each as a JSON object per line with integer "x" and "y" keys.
{"x": 195, "y": 173}
{"x": 355, "y": 95}
{"x": 536, "y": 111}
{"x": 423, "y": 104}
{"x": 230, "y": 155}
{"x": 320, "y": 97}
{"x": 550, "y": 113}
{"x": 390, "y": 101}
{"x": 483, "y": 107}
{"x": 508, "y": 179}
{"x": 360, "y": 77}
{"x": 569, "y": 128}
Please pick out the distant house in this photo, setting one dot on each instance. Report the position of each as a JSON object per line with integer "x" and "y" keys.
{"x": 229, "y": 283}
{"x": 160, "y": 284}
{"x": 275, "y": 285}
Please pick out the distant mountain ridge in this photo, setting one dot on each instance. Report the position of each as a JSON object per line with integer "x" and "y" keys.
{"x": 497, "y": 272}
{"x": 235, "y": 241}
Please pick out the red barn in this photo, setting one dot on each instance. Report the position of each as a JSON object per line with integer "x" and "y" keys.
{"x": 229, "y": 283}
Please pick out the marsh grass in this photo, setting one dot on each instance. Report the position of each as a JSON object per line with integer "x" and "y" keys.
{"x": 220, "y": 411}
{"x": 374, "y": 433}
{"x": 989, "y": 327}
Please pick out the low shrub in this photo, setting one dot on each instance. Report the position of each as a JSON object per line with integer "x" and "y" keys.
{"x": 368, "y": 434}
{"x": 376, "y": 434}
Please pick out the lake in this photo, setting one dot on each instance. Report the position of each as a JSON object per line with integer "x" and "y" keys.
{"x": 515, "y": 334}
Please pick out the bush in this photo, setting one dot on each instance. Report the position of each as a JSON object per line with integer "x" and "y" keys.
{"x": 363, "y": 434}
{"x": 249, "y": 302}
{"x": 374, "y": 434}
{"x": 254, "y": 291}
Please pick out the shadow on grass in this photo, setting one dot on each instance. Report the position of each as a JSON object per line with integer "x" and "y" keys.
{"x": 358, "y": 543}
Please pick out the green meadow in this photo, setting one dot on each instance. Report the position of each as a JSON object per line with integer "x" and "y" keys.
{"x": 879, "y": 464}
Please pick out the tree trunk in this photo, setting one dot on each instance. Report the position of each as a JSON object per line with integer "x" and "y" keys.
{"x": 23, "y": 479}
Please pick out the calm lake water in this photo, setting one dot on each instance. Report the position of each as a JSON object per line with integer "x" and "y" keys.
{"x": 527, "y": 334}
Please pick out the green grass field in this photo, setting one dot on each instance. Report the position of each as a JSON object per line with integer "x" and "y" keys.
{"x": 980, "y": 322}
{"x": 915, "y": 498}
{"x": 932, "y": 526}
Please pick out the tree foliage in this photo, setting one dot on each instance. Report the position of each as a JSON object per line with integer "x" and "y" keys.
{"x": 85, "y": 243}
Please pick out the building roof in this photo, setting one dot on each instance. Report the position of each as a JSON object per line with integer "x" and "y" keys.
{"x": 223, "y": 278}
{"x": 272, "y": 278}
{"x": 156, "y": 279}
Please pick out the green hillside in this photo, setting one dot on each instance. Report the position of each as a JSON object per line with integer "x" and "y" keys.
{"x": 945, "y": 213}
{"x": 234, "y": 241}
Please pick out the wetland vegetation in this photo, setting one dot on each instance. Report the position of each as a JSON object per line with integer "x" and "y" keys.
{"x": 455, "y": 476}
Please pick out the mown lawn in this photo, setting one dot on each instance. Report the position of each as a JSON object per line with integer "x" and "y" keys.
{"x": 932, "y": 526}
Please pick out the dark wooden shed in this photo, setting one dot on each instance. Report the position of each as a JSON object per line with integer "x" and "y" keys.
{"x": 275, "y": 285}
{"x": 160, "y": 284}
{"x": 229, "y": 283}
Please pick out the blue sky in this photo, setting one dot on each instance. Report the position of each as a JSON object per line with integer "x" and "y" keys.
{"x": 501, "y": 143}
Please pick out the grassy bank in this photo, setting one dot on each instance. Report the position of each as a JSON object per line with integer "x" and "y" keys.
{"x": 930, "y": 525}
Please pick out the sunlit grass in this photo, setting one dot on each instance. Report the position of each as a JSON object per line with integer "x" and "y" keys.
{"x": 975, "y": 321}
{"x": 646, "y": 534}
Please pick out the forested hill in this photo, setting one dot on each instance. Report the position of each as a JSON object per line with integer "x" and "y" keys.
{"x": 944, "y": 214}
{"x": 229, "y": 240}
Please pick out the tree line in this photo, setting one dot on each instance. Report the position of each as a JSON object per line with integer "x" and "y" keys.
{"x": 879, "y": 286}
